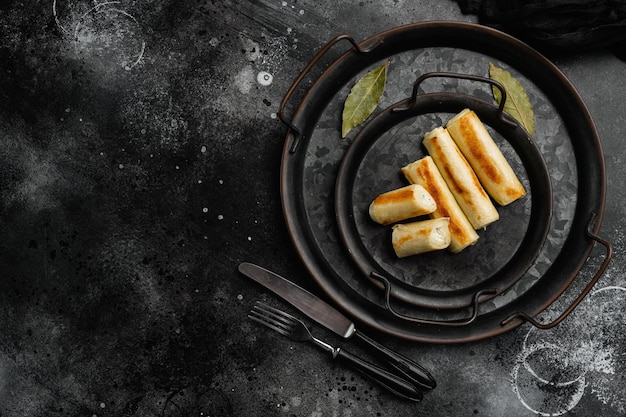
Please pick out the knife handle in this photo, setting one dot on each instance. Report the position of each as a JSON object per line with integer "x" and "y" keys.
{"x": 415, "y": 372}
{"x": 388, "y": 380}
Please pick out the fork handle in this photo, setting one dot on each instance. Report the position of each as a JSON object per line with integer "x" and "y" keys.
{"x": 388, "y": 380}
{"x": 410, "y": 369}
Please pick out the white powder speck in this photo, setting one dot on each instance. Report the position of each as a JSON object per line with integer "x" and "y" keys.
{"x": 301, "y": 11}
{"x": 203, "y": 149}
{"x": 221, "y": 181}
{"x": 220, "y": 217}
{"x": 205, "y": 210}
{"x": 273, "y": 115}
{"x": 249, "y": 238}
{"x": 264, "y": 78}
{"x": 121, "y": 166}
{"x": 240, "y": 297}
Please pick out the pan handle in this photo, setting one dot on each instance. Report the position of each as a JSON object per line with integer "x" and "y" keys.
{"x": 451, "y": 323}
{"x": 607, "y": 259}
{"x": 281, "y": 111}
{"x": 469, "y": 77}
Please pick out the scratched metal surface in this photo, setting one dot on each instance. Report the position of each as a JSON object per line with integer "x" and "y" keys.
{"x": 139, "y": 161}
{"x": 380, "y": 171}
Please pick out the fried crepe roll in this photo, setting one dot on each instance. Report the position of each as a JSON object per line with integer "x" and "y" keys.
{"x": 420, "y": 237}
{"x": 401, "y": 204}
{"x": 460, "y": 178}
{"x": 424, "y": 172}
{"x": 484, "y": 156}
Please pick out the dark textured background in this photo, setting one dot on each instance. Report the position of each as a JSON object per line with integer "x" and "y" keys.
{"x": 139, "y": 161}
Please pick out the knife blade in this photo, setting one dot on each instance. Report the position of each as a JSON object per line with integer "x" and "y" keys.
{"x": 331, "y": 318}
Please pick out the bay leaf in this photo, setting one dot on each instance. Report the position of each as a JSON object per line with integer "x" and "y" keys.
{"x": 517, "y": 102}
{"x": 363, "y": 98}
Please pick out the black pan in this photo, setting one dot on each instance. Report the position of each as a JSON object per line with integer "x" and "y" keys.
{"x": 441, "y": 280}
{"x": 566, "y": 138}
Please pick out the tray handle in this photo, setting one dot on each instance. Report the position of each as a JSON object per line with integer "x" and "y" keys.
{"x": 607, "y": 259}
{"x": 469, "y": 77}
{"x": 450, "y": 323}
{"x": 281, "y": 110}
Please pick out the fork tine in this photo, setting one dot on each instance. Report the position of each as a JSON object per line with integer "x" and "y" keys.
{"x": 279, "y": 317}
{"x": 274, "y": 312}
{"x": 264, "y": 321}
{"x": 269, "y": 316}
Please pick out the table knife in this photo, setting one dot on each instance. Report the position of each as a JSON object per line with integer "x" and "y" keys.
{"x": 331, "y": 318}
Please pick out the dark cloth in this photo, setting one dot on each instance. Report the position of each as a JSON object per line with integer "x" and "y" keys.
{"x": 556, "y": 26}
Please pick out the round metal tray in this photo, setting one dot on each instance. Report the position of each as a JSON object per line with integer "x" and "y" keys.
{"x": 565, "y": 136}
{"x": 505, "y": 250}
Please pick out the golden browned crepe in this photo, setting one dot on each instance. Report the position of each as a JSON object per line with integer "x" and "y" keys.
{"x": 420, "y": 237}
{"x": 484, "y": 156}
{"x": 401, "y": 204}
{"x": 460, "y": 178}
{"x": 425, "y": 173}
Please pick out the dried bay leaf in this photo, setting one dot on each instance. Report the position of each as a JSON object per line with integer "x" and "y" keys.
{"x": 363, "y": 98}
{"x": 517, "y": 102}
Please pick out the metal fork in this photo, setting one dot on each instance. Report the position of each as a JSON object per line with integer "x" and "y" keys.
{"x": 295, "y": 329}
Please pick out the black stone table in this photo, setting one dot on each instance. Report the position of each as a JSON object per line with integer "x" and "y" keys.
{"x": 139, "y": 165}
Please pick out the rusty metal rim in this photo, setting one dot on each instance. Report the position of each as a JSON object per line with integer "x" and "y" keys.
{"x": 589, "y": 161}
